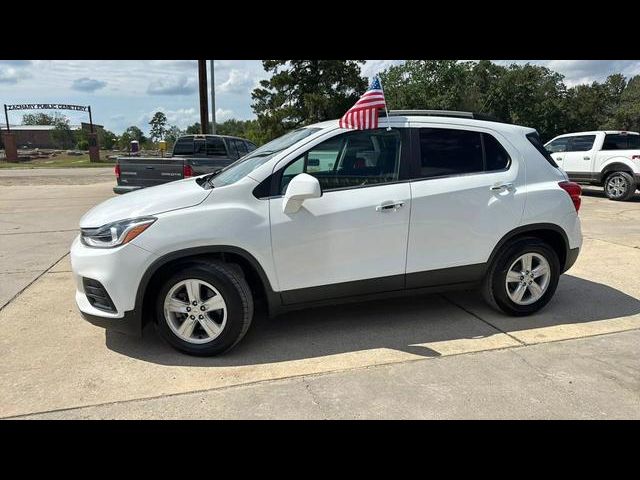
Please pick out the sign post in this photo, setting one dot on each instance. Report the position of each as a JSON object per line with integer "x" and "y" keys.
{"x": 11, "y": 151}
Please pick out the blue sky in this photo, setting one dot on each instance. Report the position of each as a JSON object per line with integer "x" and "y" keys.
{"x": 127, "y": 92}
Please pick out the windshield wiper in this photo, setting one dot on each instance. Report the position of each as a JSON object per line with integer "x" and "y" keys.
{"x": 209, "y": 178}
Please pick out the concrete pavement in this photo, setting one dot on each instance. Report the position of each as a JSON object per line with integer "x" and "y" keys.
{"x": 38, "y": 224}
{"x": 589, "y": 378}
{"x": 51, "y": 360}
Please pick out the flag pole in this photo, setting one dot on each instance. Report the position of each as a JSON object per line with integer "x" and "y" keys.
{"x": 385, "y": 102}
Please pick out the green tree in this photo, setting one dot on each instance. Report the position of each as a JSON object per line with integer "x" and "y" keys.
{"x": 193, "y": 129}
{"x": 525, "y": 94}
{"x": 172, "y": 134}
{"x": 62, "y": 134}
{"x": 301, "y": 92}
{"x": 134, "y": 133}
{"x": 124, "y": 141}
{"x": 627, "y": 113}
{"x": 158, "y": 126}
{"x": 426, "y": 84}
{"x": 38, "y": 119}
{"x": 108, "y": 139}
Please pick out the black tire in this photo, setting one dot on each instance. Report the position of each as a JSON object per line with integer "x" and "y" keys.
{"x": 494, "y": 289}
{"x": 229, "y": 281}
{"x": 627, "y": 180}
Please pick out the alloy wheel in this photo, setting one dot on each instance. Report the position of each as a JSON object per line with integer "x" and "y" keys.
{"x": 195, "y": 311}
{"x": 528, "y": 278}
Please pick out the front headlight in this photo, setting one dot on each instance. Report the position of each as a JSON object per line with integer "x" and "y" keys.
{"x": 116, "y": 233}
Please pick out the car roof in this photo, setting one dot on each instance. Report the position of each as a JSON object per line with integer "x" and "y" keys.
{"x": 397, "y": 120}
{"x": 210, "y": 135}
{"x": 594, "y": 132}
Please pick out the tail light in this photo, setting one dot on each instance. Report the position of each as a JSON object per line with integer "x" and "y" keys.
{"x": 635, "y": 157}
{"x": 574, "y": 190}
{"x": 187, "y": 171}
{"x": 117, "y": 171}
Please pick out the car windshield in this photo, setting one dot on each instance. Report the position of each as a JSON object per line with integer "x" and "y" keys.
{"x": 258, "y": 157}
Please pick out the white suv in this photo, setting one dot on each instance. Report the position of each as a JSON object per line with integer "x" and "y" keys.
{"x": 606, "y": 158}
{"x": 430, "y": 201}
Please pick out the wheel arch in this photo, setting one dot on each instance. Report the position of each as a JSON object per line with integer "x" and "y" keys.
{"x": 161, "y": 267}
{"x": 550, "y": 233}
{"x": 615, "y": 166}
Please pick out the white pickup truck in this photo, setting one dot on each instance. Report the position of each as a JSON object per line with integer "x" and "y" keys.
{"x": 610, "y": 159}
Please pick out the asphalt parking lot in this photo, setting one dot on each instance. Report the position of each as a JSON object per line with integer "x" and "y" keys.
{"x": 440, "y": 356}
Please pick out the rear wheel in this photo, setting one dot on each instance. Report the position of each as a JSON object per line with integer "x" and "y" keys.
{"x": 619, "y": 186}
{"x": 204, "y": 309}
{"x": 523, "y": 278}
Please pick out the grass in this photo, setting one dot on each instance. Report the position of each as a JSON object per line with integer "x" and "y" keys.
{"x": 60, "y": 161}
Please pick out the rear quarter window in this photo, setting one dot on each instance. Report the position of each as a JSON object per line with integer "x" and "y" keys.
{"x": 534, "y": 139}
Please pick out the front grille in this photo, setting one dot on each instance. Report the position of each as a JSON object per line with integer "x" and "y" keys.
{"x": 97, "y": 295}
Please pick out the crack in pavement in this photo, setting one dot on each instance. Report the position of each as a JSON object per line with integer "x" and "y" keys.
{"x": 33, "y": 281}
{"x": 41, "y": 231}
{"x": 521, "y": 342}
{"x": 612, "y": 243}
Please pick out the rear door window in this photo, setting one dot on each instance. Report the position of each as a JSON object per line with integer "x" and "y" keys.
{"x": 445, "y": 152}
{"x": 496, "y": 157}
{"x": 618, "y": 141}
{"x": 582, "y": 143}
{"x": 449, "y": 152}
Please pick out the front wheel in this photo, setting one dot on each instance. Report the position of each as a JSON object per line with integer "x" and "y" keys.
{"x": 204, "y": 309}
{"x": 619, "y": 186}
{"x": 523, "y": 278}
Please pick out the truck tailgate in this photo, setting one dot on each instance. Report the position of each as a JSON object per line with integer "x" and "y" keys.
{"x": 149, "y": 171}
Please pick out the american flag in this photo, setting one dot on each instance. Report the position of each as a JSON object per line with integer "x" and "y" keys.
{"x": 364, "y": 114}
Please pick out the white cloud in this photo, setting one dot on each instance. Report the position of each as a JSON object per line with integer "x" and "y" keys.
{"x": 237, "y": 82}
{"x": 374, "y": 67}
{"x": 10, "y": 74}
{"x": 86, "y": 84}
{"x": 222, "y": 115}
{"x": 182, "y": 85}
{"x": 182, "y": 117}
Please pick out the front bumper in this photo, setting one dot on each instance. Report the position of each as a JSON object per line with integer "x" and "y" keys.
{"x": 119, "y": 270}
{"x": 130, "y": 323}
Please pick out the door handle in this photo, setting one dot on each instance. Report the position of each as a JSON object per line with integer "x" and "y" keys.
{"x": 559, "y": 158}
{"x": 389, "y": 206}
{"x": 586, "y": 158}
{"x": 500, "y": 187}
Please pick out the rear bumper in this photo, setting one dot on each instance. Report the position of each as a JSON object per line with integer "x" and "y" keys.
{"x": 572, "y": 256}
{"x": 122, "y": 189}
{"x": 130, "y": 323}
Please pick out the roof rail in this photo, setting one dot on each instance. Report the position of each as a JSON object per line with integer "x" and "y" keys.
{"x": 445, "y": 113}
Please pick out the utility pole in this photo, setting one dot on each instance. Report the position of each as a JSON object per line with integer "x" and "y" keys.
{"x": 213, "y": 99}
{"x": 204, "y": 101}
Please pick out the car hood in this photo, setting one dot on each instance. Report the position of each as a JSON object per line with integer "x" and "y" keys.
{"x": 147, "y": 201}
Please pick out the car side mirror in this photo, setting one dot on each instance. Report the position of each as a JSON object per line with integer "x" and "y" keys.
{"x": 300, "y": 188}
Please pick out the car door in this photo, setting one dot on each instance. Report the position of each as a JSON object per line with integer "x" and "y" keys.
{"x": 353, "y": 239}
{"x": 467, "y": 192}
{"x": 578, "y": 157}
{"x": 557, "y": 148}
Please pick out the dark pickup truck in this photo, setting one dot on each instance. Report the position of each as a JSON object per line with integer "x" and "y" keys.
{"x": 192, "y": 155}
